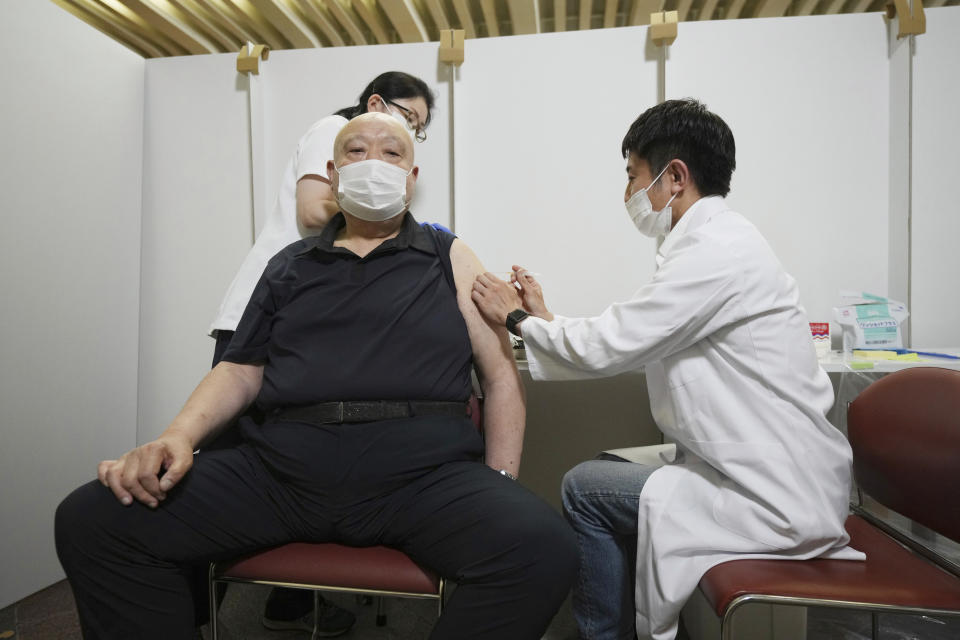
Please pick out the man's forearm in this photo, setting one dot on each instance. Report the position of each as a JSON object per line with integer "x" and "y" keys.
{"x": 219, "y": 398}
{"x": 504, "y": 416}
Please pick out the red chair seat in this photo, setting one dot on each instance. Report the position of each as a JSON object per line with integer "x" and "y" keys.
{"x": 330, "y": 564}
{"x": 891, "y": 575}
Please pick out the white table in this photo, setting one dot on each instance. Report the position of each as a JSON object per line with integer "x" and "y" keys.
{"x": 841, "y": 361}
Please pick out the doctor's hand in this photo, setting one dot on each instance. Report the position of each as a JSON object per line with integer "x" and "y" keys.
{"x": 495, "y": 298}
{"x": 136, "y": 475}
{"x": 531, "y": 292}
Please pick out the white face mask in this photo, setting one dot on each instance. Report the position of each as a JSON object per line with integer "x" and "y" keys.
{"x": 645, "y": 219}
{"x": 372, "y": 190}
{"x": 401, "y": 118}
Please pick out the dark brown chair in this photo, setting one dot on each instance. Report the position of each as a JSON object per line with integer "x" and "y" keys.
{"x": 376, "y": 571}
{"x": 905, "y": 433}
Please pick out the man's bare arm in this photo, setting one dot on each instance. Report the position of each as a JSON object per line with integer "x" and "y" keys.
{"x": 223, "y": 393}
{"x": 504, "y": 404}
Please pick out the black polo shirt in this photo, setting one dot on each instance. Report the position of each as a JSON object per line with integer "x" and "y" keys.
{"x": 329, "y": 325}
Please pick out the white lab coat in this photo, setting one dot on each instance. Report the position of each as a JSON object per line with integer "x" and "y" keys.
{"x": 734, "y": 380}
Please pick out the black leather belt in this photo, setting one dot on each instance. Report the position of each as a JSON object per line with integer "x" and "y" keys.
{"x": 367, "y": 411}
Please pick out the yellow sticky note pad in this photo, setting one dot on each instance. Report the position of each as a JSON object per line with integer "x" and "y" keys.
{"x": 907, "y": 357}
{"x": 875, "y": 355}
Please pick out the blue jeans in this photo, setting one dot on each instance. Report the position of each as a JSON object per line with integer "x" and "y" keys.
{"x": 600, "y": 500}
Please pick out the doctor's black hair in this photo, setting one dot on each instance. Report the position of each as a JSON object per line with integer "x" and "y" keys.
{"x": 392, "y": 85}
{"x": 685, "y": 130}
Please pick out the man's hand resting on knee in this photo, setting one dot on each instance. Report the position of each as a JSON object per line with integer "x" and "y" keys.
{"x": 137, "y": 473}
{"x": 221, "y": 396}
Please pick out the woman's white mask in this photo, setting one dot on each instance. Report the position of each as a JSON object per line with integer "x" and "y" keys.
{"x": 645, "y": 219}
{"x": 401, "y": 118}
{"x": 372, "y": 190}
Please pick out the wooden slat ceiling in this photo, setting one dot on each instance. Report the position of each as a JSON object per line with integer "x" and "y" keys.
{"x": 159, "y": 28}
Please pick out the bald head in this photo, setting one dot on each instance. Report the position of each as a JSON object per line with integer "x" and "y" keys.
{"x": 371, "y": 131}
{"x": 373, "y": 136}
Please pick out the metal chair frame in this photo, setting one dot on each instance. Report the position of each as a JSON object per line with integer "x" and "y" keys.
{"x": 874, "y": 609}
{"x": 214, "y": 580}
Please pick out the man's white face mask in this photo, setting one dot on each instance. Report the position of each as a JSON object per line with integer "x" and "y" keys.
{"x": 372, "y": 190}
{"x": 645, "y": 219}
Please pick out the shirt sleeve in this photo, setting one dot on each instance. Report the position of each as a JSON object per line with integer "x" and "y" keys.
{"x": 316, "y": 147}
{"x": 251, "y": 341}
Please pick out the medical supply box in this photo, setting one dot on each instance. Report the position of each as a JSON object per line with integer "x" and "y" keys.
{"x": 870, "y": 322}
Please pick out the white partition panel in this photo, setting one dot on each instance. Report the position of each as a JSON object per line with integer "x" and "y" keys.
{"x": 900, "y": 64}
{"x": 197, "y": 222}
{"x": 935, "y": 210}
{"x": 539, "y": 178}
{"x": 302, "y": 86}
{"x": 71, "y": 121}
{"x": 807, "y": 101}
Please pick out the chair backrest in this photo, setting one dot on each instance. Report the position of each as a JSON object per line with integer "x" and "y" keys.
{"x": 476, "y": 411}
{"x": 905, "y": 433}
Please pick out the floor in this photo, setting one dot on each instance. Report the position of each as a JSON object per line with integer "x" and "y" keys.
{"x": 50, "y": 615}
{"x": 46, "y": 615}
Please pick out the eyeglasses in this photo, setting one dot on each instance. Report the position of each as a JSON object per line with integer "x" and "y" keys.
{"x": 413, "y": 120}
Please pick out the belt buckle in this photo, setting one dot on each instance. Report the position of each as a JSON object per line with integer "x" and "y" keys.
{"x": 340, "y": 412}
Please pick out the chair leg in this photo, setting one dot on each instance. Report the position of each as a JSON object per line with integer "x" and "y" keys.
{"x": 316, "y": 616}
{"x": 726, "y": 632}
{"x": 440, "y": 593}
{"x": 381, "y": 615}
{"x": 212, "y": 586}
{"x": 874, "y": 626}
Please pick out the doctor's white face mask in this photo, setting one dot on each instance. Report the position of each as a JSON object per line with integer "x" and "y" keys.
{"x": 372, "y": 190}
{"x": 645, "y": 219}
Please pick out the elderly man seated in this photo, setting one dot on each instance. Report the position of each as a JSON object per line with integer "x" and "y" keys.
{"x": 376, "y": 308}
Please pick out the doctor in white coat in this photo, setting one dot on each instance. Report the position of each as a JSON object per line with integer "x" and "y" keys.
{"x": 732, "y": 377}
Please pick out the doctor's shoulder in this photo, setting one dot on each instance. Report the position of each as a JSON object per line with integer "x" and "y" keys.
{"x": 730, "y": 245}
{"x": 758, "y": 266}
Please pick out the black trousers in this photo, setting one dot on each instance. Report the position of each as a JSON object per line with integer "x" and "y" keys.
{"x": 415, "y": 484}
